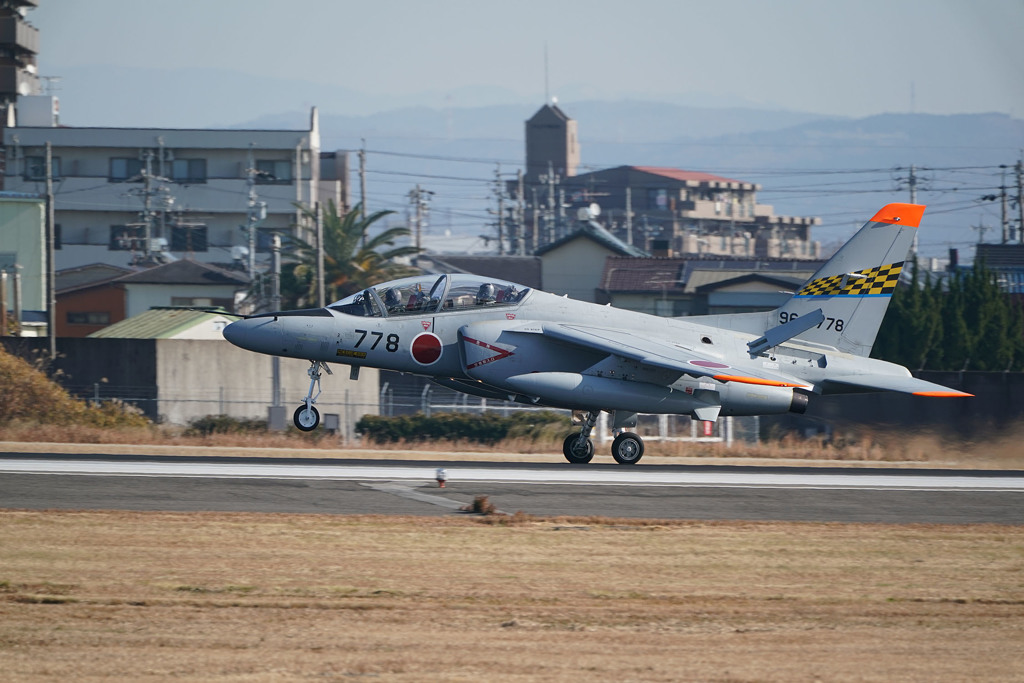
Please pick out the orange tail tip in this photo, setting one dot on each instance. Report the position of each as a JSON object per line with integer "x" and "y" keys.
{"x": 904, "y": 214}
{"x": 944, "y": 394}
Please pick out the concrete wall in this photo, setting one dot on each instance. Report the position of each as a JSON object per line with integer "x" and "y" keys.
{"x": 200, "y": 377}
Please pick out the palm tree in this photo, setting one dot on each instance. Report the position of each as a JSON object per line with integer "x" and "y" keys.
{"x": 352, "y": 260}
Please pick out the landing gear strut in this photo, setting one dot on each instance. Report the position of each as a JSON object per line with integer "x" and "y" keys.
{"x": 578, "y": 448}
{"x": 627, "y": 449}
{"x": 306, "y": 417}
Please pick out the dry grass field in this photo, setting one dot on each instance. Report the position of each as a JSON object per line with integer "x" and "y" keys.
{"x": 91, "y": 596}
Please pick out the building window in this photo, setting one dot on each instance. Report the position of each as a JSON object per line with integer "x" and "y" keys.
{"x": 35, "y": 167}
{"x": 124, "y": 169}
{"x": 189, "y": 238}
{"x": 188, "y": 171}
{"x": 125, "y": 238}
{"x": 56, "y": 236}
{"x": 273, "y": 172}
{"x": 89, "y": 318}
{"x": 657, "y": 198}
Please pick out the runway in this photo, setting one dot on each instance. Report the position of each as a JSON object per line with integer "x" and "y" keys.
{"x": 44, "y": 481}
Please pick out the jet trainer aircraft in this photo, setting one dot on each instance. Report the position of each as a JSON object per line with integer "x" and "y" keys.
{"x": 500, "y": 340}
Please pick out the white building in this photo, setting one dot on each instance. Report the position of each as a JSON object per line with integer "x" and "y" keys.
{"x": 190, "y": 192}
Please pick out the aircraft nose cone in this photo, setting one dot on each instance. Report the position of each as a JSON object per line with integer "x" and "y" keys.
{"x": 261, "y": 334}
{"x": 234, "y": 332}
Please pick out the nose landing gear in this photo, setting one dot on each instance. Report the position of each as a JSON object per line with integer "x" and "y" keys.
{"x": 306, "y": 417}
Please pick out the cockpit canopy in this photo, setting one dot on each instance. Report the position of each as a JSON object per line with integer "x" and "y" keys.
{"x": 431, "y": 294}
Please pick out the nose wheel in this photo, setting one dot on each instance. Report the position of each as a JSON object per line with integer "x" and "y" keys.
{"x": 306, "y": 417}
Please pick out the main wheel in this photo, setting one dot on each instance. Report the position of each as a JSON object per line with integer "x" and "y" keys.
{"x": 578, "y": 452}
{"x": 305, "y": 418}
{"x": 628, "y": 448}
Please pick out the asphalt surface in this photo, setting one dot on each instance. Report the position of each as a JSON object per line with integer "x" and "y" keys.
{"x": 127, "y": 482}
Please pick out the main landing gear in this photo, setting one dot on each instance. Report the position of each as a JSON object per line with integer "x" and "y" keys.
{"x": 306, "y": 417}
{"x": 578, "y": 448}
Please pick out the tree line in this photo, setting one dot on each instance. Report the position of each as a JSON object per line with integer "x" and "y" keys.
{"x": 962, "y": 322}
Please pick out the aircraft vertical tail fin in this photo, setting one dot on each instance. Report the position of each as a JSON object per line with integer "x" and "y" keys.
{"x": 851, "y": 292}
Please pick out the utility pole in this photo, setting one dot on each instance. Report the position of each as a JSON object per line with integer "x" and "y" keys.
{"x": 362, "y": 186}
{"x": 912, "y": 184}
{"x": 320, "y": 294}
{"x": 629, "y": 216}
{"x": 1020, "y": 200}
{"x": 275, "y": 305}
{"x": 51, "y": 292}
{"x": 534, "y": 239}
{"x": 3, "y": 303}
{"x": 982, "y": 229}
{"x": 147, "y": 206}
{"x": 499, "y": 190}
{"x": 1005, "y": 219}
{"x": 419, "y": 198}
{"x": 520, "y": 215}
{"x": 257, "y": 212}
{"x": 549, "y": 214}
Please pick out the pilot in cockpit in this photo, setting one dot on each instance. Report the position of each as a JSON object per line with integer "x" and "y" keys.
{"x": 485, "y": 295}
{"x": 393, "y": 300}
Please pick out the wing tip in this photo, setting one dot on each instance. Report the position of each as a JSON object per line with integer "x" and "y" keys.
{"x": 944, "y": 394}
{"x": 904, "y": 214}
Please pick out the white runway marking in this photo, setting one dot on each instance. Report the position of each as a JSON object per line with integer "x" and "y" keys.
{"x": 639, "y": 476}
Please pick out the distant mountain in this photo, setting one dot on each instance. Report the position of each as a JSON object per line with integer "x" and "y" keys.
{"x": 840, "y": 169}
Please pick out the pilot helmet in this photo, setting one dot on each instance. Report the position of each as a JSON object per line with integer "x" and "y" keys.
{"x": 392, "y": 297}
{"x": 485, "y": 294}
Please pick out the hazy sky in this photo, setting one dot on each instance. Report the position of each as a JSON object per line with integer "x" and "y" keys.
{"x": 851, "y": 58}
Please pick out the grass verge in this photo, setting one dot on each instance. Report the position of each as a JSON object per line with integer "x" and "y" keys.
{"x": 205, "y": 596}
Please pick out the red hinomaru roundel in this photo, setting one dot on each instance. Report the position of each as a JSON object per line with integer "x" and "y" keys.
{"x": 426, "y": 348}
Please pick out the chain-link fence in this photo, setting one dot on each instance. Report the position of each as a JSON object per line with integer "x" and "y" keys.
{"x": 404, "y": 399}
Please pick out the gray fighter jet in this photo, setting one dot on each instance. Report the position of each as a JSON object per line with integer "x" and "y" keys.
{"x": 500, "y": 340}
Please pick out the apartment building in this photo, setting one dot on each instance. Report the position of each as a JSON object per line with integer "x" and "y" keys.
{"x": 143, "y": 196}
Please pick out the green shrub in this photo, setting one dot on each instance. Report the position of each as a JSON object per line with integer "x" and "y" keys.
{"x": 224, "y": 424}
{"x": 29, "y": 395}
{"x": 487, "y": 428}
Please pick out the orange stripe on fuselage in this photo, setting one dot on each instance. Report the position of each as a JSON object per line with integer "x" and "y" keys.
{"x": 904, "y": 214}
{"x": 756, "y": 380}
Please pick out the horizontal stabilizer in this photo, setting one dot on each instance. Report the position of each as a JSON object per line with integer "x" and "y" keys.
{"x": 906, "y": 385}
{"x": 786, "y": 331}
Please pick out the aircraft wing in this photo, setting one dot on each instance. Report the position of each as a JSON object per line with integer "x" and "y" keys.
{"x": 664, "y": 355}
{"x": 899, "y": 383}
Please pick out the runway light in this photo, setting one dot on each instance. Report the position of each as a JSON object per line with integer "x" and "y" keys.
{"x": 442, "y": 477}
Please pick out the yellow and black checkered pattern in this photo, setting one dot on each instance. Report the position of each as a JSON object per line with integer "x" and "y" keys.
{"x": 875, "y": 281}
